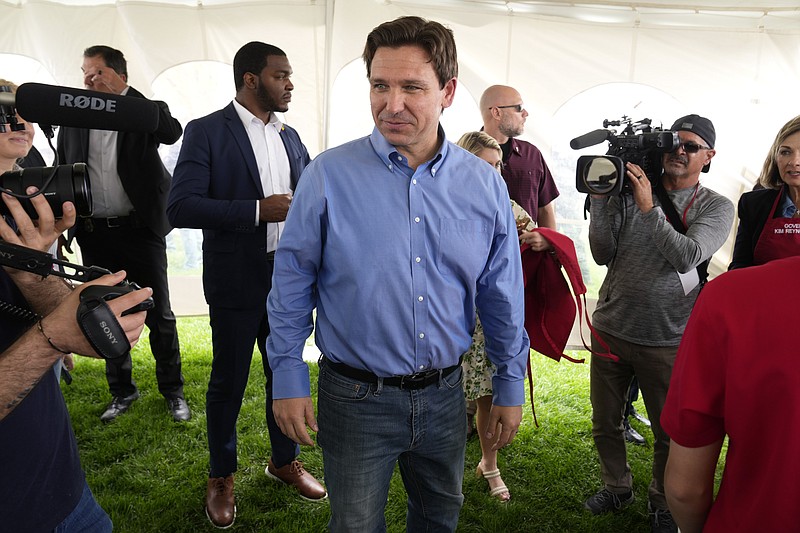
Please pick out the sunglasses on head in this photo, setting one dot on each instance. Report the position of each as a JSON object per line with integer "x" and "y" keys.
{"x": 692, "y": 147}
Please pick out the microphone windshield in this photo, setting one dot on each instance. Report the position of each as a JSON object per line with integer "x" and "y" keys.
{"x": 589, "y": 139}
{"x": 78, "y": 108}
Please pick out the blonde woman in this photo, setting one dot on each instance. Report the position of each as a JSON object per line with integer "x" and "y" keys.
{"x": 478, "y": 369}
{"x": 766, "y": 212}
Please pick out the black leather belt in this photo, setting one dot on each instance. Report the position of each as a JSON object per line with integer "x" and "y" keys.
{"x": 419, "y": 380}
{"x": 98, "y": 224}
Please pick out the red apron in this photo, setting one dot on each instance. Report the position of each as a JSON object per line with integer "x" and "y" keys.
{"x": 780, "y": 237}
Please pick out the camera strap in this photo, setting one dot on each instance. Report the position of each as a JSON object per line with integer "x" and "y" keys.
{"x": 101, "y": 328}
{"x": 675, "y": 219}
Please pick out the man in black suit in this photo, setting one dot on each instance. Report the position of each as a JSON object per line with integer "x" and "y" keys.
{"x": 234, "y": 179}
{"x": 129, "y": 223}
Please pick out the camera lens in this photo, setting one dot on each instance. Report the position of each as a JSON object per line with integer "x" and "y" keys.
{"x": 69, "y": 183}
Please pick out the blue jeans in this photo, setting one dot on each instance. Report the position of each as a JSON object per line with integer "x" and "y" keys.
{"x": 87, "y": 517}
{"x": 365, "y": 429}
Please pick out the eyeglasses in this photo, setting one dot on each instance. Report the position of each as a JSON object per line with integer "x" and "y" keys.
{"x": 519, "y": 108}
{"x": 691, "y": 147}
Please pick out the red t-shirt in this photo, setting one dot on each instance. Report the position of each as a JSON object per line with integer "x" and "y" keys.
{"x": 737, "y": 374}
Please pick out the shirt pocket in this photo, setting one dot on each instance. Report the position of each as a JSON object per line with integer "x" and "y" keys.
{"x": 463, "y": 247}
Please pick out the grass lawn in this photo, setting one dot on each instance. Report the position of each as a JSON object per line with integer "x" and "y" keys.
{"x": 150, "y": 473}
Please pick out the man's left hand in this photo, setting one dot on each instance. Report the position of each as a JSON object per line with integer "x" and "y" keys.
{"x": 38, "y": 235}
{"x": 506, "y": 420}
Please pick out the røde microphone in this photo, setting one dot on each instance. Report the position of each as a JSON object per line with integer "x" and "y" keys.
{"x": 589, "y": 139}
{"x": 78, "y": 108}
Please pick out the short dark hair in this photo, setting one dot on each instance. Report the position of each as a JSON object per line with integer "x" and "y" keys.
{"x": 431, "y": 36}
{"x": 252, "y": 58}
{"x": 112, "y": 57}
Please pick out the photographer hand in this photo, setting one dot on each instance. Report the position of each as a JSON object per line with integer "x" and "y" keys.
{"x": 23, "y": 364}
{"x": 274, "y": 208}
{"x": 38, "y": 235}
{"x": 61, "y": 326}
{"x": 641, "y": 187}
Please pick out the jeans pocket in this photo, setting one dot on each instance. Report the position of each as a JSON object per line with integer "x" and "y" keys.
{"x": 339, "y": 388}
{"x": 454, "y": 379}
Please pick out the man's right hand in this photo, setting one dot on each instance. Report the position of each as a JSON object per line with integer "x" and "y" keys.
{"x": 274, "y": 208}
{"x": 62, "y": 327}
{"x": 292, "y": 415}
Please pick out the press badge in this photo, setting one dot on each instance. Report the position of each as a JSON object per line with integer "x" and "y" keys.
{"x": 689, "y": 281}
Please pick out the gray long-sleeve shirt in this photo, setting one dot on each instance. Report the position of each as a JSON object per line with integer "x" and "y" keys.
{"x": 642, "y": 299}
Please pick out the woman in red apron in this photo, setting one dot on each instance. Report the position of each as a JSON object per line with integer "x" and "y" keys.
{"x": 769, "y": 217}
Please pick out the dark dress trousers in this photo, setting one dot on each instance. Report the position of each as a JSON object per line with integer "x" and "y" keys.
{"x": 136, "y": 243}
{"x": 215, "y": 188}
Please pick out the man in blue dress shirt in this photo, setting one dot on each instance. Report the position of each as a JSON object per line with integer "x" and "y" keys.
{"x": 395, "y": 239}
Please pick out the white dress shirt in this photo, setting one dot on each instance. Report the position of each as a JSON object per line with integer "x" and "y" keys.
{"x": 272, "y": 161}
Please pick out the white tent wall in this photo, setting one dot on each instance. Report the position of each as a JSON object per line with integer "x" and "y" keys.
{"x": 737, "y": 62}
{"x": 156, "y": 37}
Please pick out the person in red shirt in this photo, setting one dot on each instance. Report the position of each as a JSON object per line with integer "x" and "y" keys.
{"x": 735, "y": 374}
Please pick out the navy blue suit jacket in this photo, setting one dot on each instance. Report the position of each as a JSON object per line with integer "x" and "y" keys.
{"x": 214, "y": 187}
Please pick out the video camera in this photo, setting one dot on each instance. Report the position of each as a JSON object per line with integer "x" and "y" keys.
{"x": 46, "y": 104}
{"x": 639, "y": 143}
{"x": 53, "y": 105}
{"x": 58, "y": 184}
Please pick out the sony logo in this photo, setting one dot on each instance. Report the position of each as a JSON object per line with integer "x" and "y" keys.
{"x": 108, "y": 333}
{"x": 88, "y": 102}
{"x": 8, "y": 255}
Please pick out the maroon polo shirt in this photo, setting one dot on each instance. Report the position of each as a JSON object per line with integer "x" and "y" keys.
{"x": 529, "y": 181}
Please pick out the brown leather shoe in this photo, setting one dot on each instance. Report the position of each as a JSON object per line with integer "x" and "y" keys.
{"x": 295, "y": 475}
{"x": 220, "y": 503}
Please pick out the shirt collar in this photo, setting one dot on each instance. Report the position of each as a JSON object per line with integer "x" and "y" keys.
{"x": 388, "y": 153}
{"x": 786, "y": 206}
{"x": 247, "y": 117}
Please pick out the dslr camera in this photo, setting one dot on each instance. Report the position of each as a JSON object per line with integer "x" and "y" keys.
{"x": 639, "y": 143}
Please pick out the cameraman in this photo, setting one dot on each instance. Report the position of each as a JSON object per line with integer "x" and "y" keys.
{"x": 645, "y": 301}
{"x": 43, "y": 483}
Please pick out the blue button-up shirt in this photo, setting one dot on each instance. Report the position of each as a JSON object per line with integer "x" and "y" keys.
{"x": 395, "y": 260}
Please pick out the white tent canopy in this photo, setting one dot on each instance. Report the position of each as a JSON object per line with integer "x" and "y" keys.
{"x": 735, "y": 61}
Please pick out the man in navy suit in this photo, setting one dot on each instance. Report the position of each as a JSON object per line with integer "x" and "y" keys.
{"x": 234, "y": 179}
{"x": 129, "y": 223}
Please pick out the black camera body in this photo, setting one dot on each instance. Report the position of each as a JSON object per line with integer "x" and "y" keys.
{"x": 639, "y": 143}
{"x": 106, "y": 293}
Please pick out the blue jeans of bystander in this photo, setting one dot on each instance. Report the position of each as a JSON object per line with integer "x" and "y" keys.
{"x": 87, "y": 517}
{"x": 365, "y": 429}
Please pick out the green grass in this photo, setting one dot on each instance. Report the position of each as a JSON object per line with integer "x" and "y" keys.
{"x": 150, "y": 473}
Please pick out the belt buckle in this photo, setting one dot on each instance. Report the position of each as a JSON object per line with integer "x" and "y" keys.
{"x": 110, "y": 222}
{"x": 414, "y": 380}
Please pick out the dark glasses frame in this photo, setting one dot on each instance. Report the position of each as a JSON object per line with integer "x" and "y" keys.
{"x": 691, "y": 147}
{"x": 519, "y": 108}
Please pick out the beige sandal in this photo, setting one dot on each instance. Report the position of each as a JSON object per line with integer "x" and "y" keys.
{"x": 501, "y": 493}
